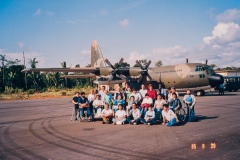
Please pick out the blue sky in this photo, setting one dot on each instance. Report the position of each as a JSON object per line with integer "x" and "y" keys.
{"x": 168, "y": 30}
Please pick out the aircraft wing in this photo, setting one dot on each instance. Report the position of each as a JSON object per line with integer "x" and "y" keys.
{"x": 86, "y": 70}
{"x": 78, "y": 76}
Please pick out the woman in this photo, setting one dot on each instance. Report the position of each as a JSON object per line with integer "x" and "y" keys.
{"x": 151, "y": 92}
{"x": 175, "y": 103}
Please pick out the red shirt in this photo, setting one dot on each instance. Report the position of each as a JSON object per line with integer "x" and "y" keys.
{"x": 152, "y": 94}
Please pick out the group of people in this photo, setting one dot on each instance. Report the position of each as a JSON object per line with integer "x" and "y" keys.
{"x": 146, "y": 106}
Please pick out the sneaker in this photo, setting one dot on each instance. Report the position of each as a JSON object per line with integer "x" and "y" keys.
{"x": 149, "y": 124}
{"x": 75, "y": 119}
{"x": 135, "y": 123}
{"x": 122, "y": 123}
{"x": 103, "y": 123}
{"x": 114, "y": 123}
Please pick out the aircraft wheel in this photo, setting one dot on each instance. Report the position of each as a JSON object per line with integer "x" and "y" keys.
{"x": 235, "y": 90}
{"x": 200, "y": 93}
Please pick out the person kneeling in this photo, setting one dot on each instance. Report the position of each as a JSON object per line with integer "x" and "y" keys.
{"x": 169, "y": 116}
{"x": 120, "y": 115}
{"x": 149, "y": 118}
{"x": 107, "y": 114}
{"x": 134, "y": 115}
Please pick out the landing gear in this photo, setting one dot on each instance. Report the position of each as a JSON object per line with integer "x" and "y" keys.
{"x": 200, "y": 93}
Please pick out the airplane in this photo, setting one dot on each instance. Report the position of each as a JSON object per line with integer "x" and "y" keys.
{"x": 194, "y": 76}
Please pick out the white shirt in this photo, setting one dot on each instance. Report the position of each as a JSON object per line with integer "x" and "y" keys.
{"x": 150, "y": 114}
{"x": 159, "y": 103}
{"x": 91, "y": 97}
{"x": 101, "y": 92}
{"x": 169, "y": 115}
{"x": 143, "y": 92}
{"x": 137, "y": 96}
{"x": 147, "y": 100}
{"x": 135, "y": 113}
{"x": 97, "y": 102}
{"x": 120, "y": 114}
{"x": 107, "y": 112}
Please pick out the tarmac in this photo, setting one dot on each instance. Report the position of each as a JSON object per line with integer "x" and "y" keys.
{"x": 42, "y": 129}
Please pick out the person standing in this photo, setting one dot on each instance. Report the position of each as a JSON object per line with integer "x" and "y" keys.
{"x": 151, "y": 92}
{"x": 142, "y": 91}
{"x": 84, "y": 105}
{"x": 91, "y": 98}
{"x": 108, "y": 98}
{"x": 119, "y": 92}
{"x": 162, "y": 91}
{"x": 221, "y": 89}
{"x": 76, "y": 105}
{"x": 190, "y": 100}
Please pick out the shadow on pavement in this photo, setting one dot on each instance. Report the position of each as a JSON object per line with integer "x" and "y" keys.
{"x": 200, "y": 117}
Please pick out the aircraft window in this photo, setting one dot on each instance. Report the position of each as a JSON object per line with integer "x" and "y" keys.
{"x": 201, "y": 75}
{"x": 199, "y": 68}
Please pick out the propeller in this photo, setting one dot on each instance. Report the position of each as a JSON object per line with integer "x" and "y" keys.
{"x": 144, "y": 71}
{"x": 206, "y": 61}
{"x": 115, "y": 69}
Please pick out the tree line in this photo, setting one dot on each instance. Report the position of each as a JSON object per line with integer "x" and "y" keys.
{"x": 13, "y": 80}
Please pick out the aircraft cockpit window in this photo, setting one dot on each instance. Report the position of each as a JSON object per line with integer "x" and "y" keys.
{"x": 199, "y": 68}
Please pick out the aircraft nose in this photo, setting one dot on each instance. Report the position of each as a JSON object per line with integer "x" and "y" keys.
{"x": 215, "y": 80}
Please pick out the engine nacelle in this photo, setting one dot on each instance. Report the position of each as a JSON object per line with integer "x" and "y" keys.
{"x": 104, "y": 81}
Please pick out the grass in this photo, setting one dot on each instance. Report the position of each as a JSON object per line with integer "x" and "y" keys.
{"x": 50, "y": 93}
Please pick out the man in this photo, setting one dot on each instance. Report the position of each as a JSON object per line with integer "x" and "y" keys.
{"x": 107, "y": 98}
{"x": 120, "y": 116}
{"x": 169, "y": 116}
{"x": 137, "y": 96}
{"x": 142, "y": 91}
{"x": 162, "y": 91}
{"x": 84, "y": 105}
{"x": 134, "y": 115}
{"x": 119, "y": 93}
{"x": 97, "y": 106}
{"x": 158, "y": 106}
{"x": 190, "y": 100}
{"x": 107, "y": 114}
{"x": 118, "y": 101}
{"x": 101, "y": 92}
{"x": 149, "y": 117}
{"x": 221, "y": 89}
{"x": 76, "y": 105}
{"x": 91, "y": 98}
{"x": 147, "y": 101}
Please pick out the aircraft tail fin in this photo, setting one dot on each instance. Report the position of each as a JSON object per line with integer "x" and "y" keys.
{"x": 97, "y": 59}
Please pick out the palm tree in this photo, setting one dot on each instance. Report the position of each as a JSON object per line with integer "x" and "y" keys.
{"x": 158, "y": 63}
{"x": 33, "y": 63}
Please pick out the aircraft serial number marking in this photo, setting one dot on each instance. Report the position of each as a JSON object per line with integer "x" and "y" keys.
{"x": 179, "y": 70}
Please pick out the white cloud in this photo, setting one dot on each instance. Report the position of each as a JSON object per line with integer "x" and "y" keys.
{"x": 230, "y": 15}
{"x": 38, "y": 12}
{"x": 223, "y": 33}
{"x": 124, "y": 23}
{"x": 21, "y": 45}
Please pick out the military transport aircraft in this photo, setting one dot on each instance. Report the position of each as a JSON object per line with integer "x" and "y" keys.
{"x": 195, "y": 76}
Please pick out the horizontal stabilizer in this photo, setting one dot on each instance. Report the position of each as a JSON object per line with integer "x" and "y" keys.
{"x": 86, "y": 70}
{"x": 78, "y": 76}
